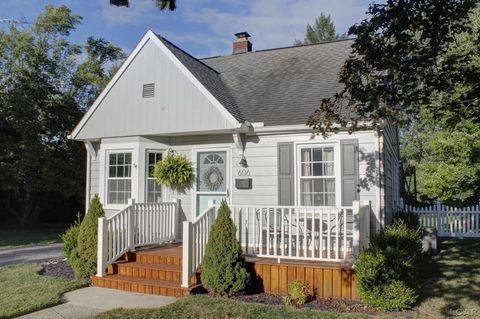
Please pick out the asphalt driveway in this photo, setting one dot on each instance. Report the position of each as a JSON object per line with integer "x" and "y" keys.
{"x": 30, "y": 254}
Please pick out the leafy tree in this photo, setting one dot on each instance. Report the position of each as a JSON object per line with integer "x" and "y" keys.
{"x": 224, "y": 271}
{"x": 443, "y": 142}
{"x": 161, "y": 4}
{"x": 44, "y": 90}
{"x": 447, "y": 161}
{"x": 323, "y": 30}
{"x": 399, "y": 58}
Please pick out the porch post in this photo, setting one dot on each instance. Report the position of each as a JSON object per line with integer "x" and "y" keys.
{"x": 366, "y": 223}
{"x": 356, "y": 228}
{"x": 131, "y": 224}
{"x": 186, "y": 254}
{"x": 102, "y": 247}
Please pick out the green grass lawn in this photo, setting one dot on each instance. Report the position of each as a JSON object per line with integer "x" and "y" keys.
{"x": 203, "y": 306}
{"x": 23, "y": 290}
{"x": 16, "y": 237}
{"x": 451, "y": 289}
{"x": 452, "y": 281}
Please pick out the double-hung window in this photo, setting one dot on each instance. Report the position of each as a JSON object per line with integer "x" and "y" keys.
{"x": 119, "y": 181}
{"x": 317, "y": 176}
{"x": 154, "y": 191}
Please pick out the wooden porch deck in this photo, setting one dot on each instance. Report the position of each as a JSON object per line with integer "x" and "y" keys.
{"x": 327, "y": 279}
{"x": 158, "y": 270}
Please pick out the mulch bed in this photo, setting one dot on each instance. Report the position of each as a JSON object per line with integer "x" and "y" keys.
{"x": 317, "y": 304}
{"x": 57, "y": 268}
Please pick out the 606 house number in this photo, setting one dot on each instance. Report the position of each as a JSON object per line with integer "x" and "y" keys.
{"x": 243, "y": 172}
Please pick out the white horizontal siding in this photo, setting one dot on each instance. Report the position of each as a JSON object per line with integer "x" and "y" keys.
{"x": 261, "y": 155}
{"x": 391, "y": 169}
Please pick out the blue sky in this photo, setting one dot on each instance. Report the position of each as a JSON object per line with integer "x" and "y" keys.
{"x": 200, "y": 27}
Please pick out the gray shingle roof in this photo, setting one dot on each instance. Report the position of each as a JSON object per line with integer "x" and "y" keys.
{"x": 278, "y": 86}
{"x": 208, "y": 77}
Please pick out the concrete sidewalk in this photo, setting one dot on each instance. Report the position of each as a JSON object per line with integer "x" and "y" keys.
{"x": 30, "y": 254}
{"x": 88, "y": 302}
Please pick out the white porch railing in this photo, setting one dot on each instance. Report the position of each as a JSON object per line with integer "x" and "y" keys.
{"x": 139, "y": 224}
{"x": 283, "y": 232}
{"x": 449, "y": 221}
{"x": 195, "y": 238}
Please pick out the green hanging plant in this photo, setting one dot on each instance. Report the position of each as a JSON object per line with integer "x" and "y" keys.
{"x": 174, "y": 170}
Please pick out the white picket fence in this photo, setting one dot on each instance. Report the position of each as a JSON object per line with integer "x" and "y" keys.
{"x": 449, "y": 221}
{"x": 139, "y": 224}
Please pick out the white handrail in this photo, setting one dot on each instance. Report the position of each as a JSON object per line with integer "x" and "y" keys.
{"x": 138, "y": 224}
{"x": 361, "y": 226}
{"x": 293, "y": 232}
{"x": 195, "y": 238}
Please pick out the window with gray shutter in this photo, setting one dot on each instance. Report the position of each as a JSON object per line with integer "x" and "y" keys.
{"x": 148, "y": 90}
{"x": 286, "y": 168}
{"x": 349, "y": 156}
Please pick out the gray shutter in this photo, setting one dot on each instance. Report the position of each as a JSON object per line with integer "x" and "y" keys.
{"x": 285, "y": 174}
{"x": 349, "y": 156}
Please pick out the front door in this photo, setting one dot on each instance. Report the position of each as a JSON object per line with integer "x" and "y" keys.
{"x": 212, "y": 178}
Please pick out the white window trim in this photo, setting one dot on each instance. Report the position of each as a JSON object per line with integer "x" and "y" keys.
{"x": 105, "y": 150}
{"x": 108, "y": 178}
{"x": 212, "y": 148}
{"x": 337, "y": 168}
{"x": 163, "y": 191}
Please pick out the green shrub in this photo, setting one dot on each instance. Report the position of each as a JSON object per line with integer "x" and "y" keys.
{"x": 391, "y": 265}
{"x": 224, "y": 271}
{"x": 174, "y": 170}
{"x": 394, "y": 296}
{"x": 402, "y": 247}
{"x": 298, "y": 293}
{"x": 69, "y": 238}
{"x": 83, "y": 258}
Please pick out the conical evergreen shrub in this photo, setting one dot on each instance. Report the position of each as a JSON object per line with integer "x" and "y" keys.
{"x": 224, "y": 271}
{"x": 83, "y": 258}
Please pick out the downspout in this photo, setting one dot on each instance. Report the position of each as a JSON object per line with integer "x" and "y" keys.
{"x": 91, "y": 154}
{"x": 87, "y": 184}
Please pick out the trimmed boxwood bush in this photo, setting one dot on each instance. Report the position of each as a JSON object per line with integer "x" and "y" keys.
{"x": 224, "y": 270}
{"x": 388, "y": 272}
{"x": 83, "y": 258}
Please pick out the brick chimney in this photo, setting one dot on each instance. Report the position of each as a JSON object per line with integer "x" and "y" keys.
{"x": 241, "y": 44}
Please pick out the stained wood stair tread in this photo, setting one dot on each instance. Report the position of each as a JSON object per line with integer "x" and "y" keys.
{"x": 140, "y": 265}
{"x": 174, "y": 251}
{"x": 144, "y": 281}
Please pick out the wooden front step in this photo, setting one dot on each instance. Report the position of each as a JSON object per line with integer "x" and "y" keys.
{"x": 153, "y": 271}
{"x": 141, "y": 285}
{"x": 161, "y": 256}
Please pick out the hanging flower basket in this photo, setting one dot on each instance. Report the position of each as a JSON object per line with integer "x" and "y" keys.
{"x": 174, "y": 170}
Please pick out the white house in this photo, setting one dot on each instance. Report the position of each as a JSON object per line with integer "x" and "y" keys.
{"x": 245, "y": 115}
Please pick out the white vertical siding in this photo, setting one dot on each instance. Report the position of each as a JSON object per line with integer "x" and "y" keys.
{"x": 178, "y": 105}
